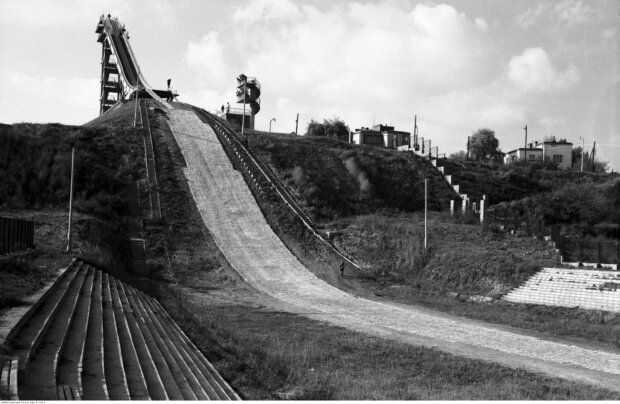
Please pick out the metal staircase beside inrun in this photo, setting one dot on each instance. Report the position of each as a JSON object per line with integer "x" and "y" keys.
{"x": 93, "y": 337}
{"x": 149, "y": 158}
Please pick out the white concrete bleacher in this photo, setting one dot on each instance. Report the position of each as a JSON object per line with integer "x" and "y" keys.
{"x": 568, "y": 287}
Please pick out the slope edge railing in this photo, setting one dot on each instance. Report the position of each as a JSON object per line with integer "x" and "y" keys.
{"x": 284, "y": 194}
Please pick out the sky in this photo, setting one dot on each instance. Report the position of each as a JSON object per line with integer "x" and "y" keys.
{"x": 458, "y": 65}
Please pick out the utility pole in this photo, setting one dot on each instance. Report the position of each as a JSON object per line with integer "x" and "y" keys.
{"x": 583, "y": 145}
{"x": 592, "y": 156}
{"x": 296, "y": 123}
{"x": 416, "y": 145}
{"x": 430, "y": 150}
{"x": 425, "y": 213}
{"x": 68, "y": 250}
{"x": 525, "y": 153}
{"x": 467, "y": 158}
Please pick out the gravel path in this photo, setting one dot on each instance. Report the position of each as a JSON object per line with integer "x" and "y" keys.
{"x": 242, "y": 233}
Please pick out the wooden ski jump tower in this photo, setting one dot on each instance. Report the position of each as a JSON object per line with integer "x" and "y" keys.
{"x": 111, "y": 84}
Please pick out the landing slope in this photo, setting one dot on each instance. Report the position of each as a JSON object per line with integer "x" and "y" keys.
{"x": 239, "y": 228}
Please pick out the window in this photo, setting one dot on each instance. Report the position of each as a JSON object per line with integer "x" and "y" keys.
{"x": 532, "y": 156}
{"x": 557, "y": 158}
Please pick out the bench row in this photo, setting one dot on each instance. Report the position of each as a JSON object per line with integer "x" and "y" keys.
{"x": 102, "y": 339}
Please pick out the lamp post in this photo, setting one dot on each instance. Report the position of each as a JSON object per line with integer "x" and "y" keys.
{"x": 272, "y": 119}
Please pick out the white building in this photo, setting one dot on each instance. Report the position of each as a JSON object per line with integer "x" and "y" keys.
{"x": 558, "y": 152}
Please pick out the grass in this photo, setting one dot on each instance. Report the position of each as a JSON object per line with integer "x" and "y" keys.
{"x": 464, "y": 262}
{"x": 93, "y": 239}
{"x": 334, "y": 178}
{"x": 268, "y": 354}
{"x": 275, "y": 355}
{"x": 513, "y": 182}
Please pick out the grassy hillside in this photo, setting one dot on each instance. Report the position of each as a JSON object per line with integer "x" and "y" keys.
{"x": 35, "y": 172}
{"x": 507, "y": 183}
{"x": 35, "y": 167}
{"x": 334, "y": 178}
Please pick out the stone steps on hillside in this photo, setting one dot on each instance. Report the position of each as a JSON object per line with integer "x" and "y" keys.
{"x": 588, "y": 289}
{"x": 96, "y": 338}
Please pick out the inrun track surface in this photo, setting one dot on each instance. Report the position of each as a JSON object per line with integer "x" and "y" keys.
{"x": 250, "y": 246}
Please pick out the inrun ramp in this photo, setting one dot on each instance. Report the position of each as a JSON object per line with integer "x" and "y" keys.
{"x": 250, "y": 246}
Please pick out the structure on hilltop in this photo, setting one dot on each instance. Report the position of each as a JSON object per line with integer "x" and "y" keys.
{"x": 559, "y": 152}
{"x": 381, "y": 136}
{"x": 248, "y": 93}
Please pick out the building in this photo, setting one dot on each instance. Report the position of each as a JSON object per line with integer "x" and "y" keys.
{"x": 530, "y": 153}
{"x": 560, "y": 152}
{"x": 381, "y": 136}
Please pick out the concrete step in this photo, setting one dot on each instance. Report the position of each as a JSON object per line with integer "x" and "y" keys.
{"x": 41, "y": 378}
{"x": 8, "y": 378}
{"x": 116, "y": 379}
{"x": 569, "y": 288}
{"x": 134, "y": 228}
{"x": 221, "y": 387}
{"x": 200, "y": 387}
{"x": 72, "y": 351}
{"x": 26, "y": 336}
{"x": 143, "y": 348}
{"x": 136, "y": 382}
{"x": 92, "y": 374}
{"x": 179, "y": 389}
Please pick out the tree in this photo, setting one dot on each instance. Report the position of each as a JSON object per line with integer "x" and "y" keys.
{"x": 460, "y": 155}
{"x": 598, "y": 165}
{"x": 315, "y": 129}
{"x": 331, "y": 128}
{"x": 483, "y": 145}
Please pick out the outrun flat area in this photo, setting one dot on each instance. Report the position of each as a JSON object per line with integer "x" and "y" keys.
{"x": 248, "y": 243}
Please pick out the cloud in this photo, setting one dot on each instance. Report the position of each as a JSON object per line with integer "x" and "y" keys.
{"x": 44, "y": 13}
{"x": 532, "y": 71}
{"x": 265, "y": 11}
{"x": 207, "y": 56}
{"x": 68, "y": 95}
{"x": 482, "y": 24}
{"x": 349, "y": 58}
{"x": 568, "y": 13}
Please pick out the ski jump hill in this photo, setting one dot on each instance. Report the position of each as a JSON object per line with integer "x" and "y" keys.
{"x": 98, "y": 338}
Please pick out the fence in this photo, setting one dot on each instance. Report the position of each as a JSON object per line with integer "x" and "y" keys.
{"x": 15, "y": 235}
{"x": 572, "y": 248}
